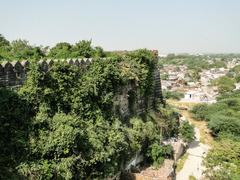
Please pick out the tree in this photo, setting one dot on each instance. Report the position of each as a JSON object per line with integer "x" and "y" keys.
{"x": 186, "y": 132}
{"x": 224, "y": 84}
{"x": 158, "y": 153}
{"x": 200, "y": 111}
{"x": 21, "y": 50}
{"x": 222, "y": 161}
{"x": 82, "y": 49}
{"x": 4, "y": 48}
{"x": 3, "y": 41}
{"x": 99, "y": 52}
{"x": 222, "y": 123}
{"x": 61, "y": 50}
{"x": 14, "y": 119}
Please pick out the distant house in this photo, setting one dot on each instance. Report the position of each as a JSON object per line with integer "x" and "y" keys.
{"x": 237, "y": 86}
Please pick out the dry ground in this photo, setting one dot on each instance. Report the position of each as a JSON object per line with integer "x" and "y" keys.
{"x": 198, "y": 148}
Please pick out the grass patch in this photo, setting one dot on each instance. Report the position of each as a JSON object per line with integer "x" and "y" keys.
{"x": 181, "y": 162}
{"x": 205, "y": 136}
{"x": 192, "y": 178}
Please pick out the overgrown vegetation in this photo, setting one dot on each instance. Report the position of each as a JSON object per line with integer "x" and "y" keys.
{"x": 223, "y": 162}
{"x": 223, "y": 119}
{"x": 173, "y": 95}
{"x": 13, "y": 132}
{"x": 181, "y": 162}
{"x": 186, "y": 132}
{"x": 61, "y": 125}
{"x": 158, "y": 153}
{"x": 235, "y": 73}
{"x": 224, "y": 83}
{"x": 22, "y": 50}
{"x": 192, "y": 178}
{"x": 220, "y": 121}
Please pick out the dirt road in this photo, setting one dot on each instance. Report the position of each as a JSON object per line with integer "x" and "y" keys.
{"x": 197, "y": 149}
{"x": 193, "y": 165}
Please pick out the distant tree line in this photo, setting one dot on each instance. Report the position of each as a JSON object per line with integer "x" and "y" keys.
{"x": 21, "y": 49}
{"x": 194, "y": 62}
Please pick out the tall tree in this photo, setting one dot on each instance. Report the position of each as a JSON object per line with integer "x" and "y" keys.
{"x": 62, "y": 50}
{"x": 99, "y": 52}
{"x": 82, "y": 49}
{"x": 4, "y": 47}
{"x": 20, "y": 49}
{"x": 3, "y": 41}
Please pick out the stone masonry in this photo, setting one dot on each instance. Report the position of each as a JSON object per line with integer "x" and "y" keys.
{"x": 13, "y": 74}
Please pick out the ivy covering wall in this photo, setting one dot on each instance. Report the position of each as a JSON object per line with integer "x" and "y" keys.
{"x": 64, "y": 126}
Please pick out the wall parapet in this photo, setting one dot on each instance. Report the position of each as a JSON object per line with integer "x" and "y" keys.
{"x": 13, "y": 74}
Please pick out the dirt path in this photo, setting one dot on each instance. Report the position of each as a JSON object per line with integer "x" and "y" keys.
{"x": 197, "y": 149}
{"x": 193, "y": 164}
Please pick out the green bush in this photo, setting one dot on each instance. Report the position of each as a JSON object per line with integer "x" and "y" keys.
{"x": 224, "y": 84}
{"x": 222, "y": 161}
{"x": 158, "y": 153}
{"x": 234, "y": 94}
{"x": 186, "y": 132}
{"x": 14, "y": 120}
{"x": 221, "y": 123}
{"x": 223, "y": 116}
{"x": 200, "y": 111}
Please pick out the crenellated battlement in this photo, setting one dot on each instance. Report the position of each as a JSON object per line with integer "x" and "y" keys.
{"x": 13, "y": 74}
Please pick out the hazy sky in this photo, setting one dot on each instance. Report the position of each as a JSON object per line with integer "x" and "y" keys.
{"x": 166, "y": 25}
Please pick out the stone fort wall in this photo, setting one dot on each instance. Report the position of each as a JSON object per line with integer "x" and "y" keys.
{"x": 13, "y": 74}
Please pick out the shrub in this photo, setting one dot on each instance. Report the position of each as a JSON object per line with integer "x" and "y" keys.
{"x": 200, "y": 111}
{"x": 222, "y": 161}
{"x": 232, "y": 103}
{"x": 186, "y": 132}
{"x": 221, "y": 123}
{"x": 234, "y": 94}
{"x": 224, "y": 84}
{"x": 158, "y": 153}
{"x": 13, "y": 132}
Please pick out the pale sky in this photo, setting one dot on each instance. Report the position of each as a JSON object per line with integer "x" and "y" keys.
{"x": 194, "y": 26}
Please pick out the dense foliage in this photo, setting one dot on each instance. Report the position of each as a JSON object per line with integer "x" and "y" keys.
{"x": 80, "y": 49}
{"x": 224, "y": 84}
{"x": 186, "y": 131}
{"x": 13, "y": 132}
{"x": 64, "y": 126}
{"x": 226, "y": 121}
{"x": 223, "y": 118}
{"x": 22, "y": 50}
{"x": 235, "y": 73}
{"x": 158, "y": 153}
{"x": 223, "y": 162}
